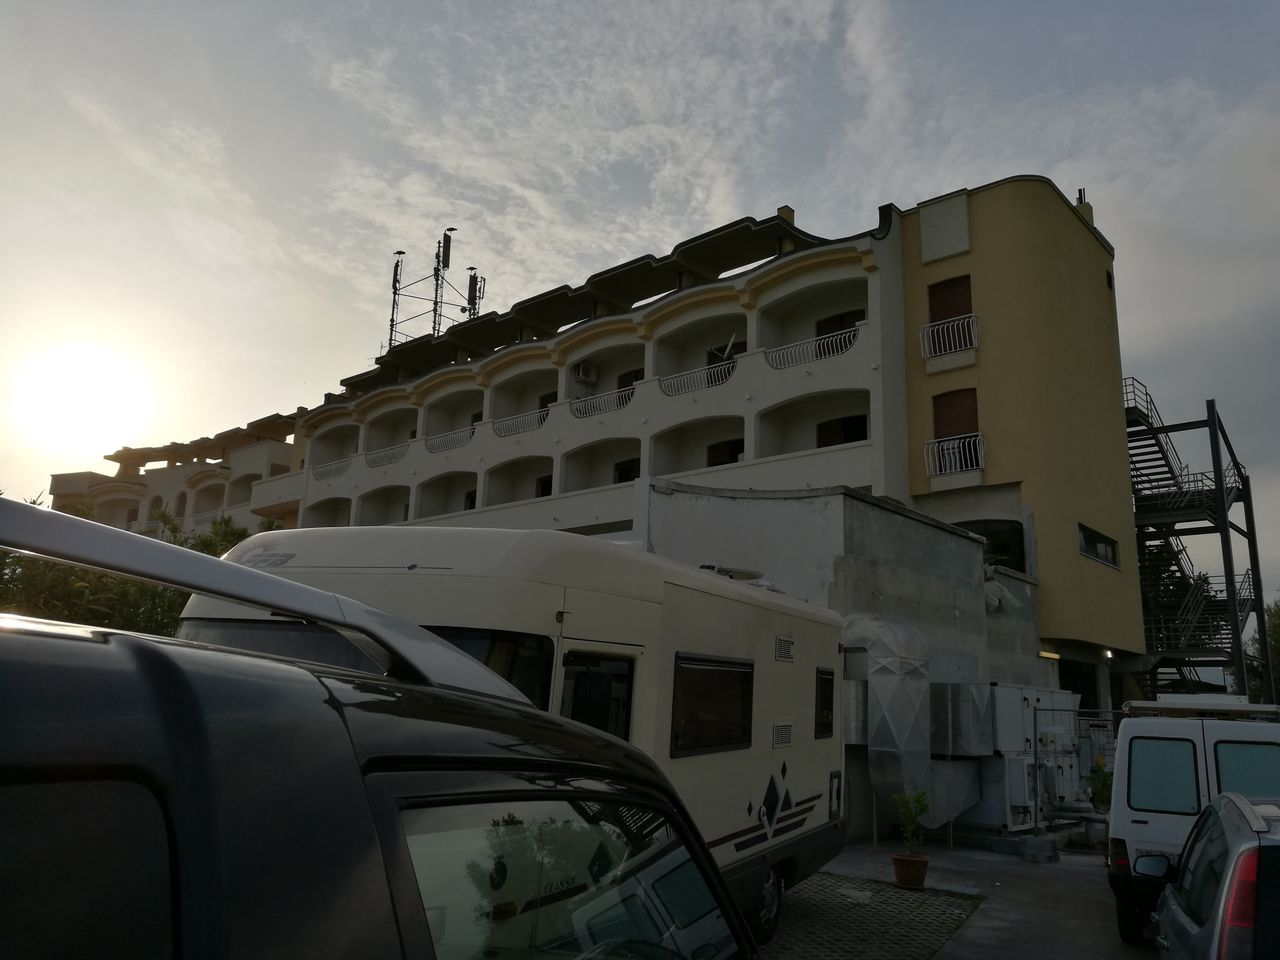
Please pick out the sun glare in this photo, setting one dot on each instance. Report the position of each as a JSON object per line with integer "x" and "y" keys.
{"x": 78, "y": 401}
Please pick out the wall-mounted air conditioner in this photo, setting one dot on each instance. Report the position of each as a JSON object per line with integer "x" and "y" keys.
{"x": 585, "y": 373}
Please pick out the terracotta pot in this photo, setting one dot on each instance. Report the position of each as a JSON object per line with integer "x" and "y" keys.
{"x": 909, "y": 869}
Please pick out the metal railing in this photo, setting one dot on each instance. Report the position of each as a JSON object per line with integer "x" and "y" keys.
{"x": 327, "y": 471}
{"x": 380, "y": 458}
{"x": 711, "y": 376}
{"x": 949, "y": 336}
{"x": 520, "y": 423}
{"x": 806, "y": 351}
{"x": 601, "y": 403}
{"x": 954, "y": 455}
{"x": 1137, "y": 395}
{"x": 449, "y": 441}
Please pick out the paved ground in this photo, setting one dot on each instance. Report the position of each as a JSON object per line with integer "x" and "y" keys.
{"x": 1014, "y": 909}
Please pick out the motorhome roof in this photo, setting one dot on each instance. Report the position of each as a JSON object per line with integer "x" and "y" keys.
{"x": 420, "y": 656}
{"x": 544, "y": 556}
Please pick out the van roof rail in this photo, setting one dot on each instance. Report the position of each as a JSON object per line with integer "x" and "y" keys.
{"x": 409, "y": 652}
{"x": 1209, "y": 708}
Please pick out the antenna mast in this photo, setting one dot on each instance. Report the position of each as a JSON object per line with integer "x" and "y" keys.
{"x": 470, "y": 310}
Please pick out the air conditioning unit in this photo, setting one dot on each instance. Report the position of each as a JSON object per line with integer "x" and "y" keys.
{"x": 585, "y": 373}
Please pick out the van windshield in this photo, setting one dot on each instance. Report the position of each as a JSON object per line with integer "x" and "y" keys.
{"x": 292, "y": 639}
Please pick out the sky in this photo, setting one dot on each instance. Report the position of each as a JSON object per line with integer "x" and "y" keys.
{"x": 200, "y": 202}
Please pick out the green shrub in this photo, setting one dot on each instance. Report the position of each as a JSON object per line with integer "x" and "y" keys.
{"x": 911, "y": 807}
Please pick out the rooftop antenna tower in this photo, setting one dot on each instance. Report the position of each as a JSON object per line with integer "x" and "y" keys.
{"x": 470, "y": 310}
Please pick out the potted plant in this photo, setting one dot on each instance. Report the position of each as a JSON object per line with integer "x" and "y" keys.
{"x": 909, "y": 868}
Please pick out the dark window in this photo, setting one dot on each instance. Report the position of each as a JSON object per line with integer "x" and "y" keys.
{"x": 469, "y": 500}
{"x": 949, "y": 299}
{"x": 630, "y": 378}
{"x": 542, "y": 486}
{"x": 624, "y": 471}
{"x": 132, "y": 514}
{"x": 824, "y": 699}
{"x": 1252, "y": 769}
{"x": 476, "y": 417}
{"x": 597, "y": 692}
{"x": 1005, "y": 545}
{"x": 840, "y": 321}
{"x": 1099, "y": 547}
{"x": 547, "y": 399}
{"x": 559, "y": 876}
{"x": 955, "y": 413}
{"x": 1082, "y": 678}
{"x": 522, "y": 659}
{"x": 725, "y": 451}
{"x": 849, "y": 429}
{"x": 711, "y": 705}
{"x": 1202, "y": 869}
{"x": 726, "y": 351}
{"x": 1162, "y": 776}
{"x": 413, "y": 433}
{"x": 85, "y": 871}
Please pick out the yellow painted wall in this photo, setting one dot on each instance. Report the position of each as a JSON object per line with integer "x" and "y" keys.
{"x": 1048, "y": 383}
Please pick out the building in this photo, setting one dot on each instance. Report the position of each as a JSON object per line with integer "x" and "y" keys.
{"x": 961, "y": 357}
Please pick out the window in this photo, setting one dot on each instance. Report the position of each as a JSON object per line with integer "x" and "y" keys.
{"x": 469, "y": 500}
{"x": 1252, "y": 769}
{"x": 542, "y": 486}
{"x": 824, "y": 699}
{"x": 597, "y": 692}
{"x": 524, "y": 660}
{"x": 630, "y": 378}
{"x": 1005, "y": 544}
{"x": 955, "y": 413}
{"x": 1200, "y": 873}
{"x": 726, "y": 351}
{"x": 476, "y": 417}
{"x": 950, "y": 299}
{"x": 1094, "y": 544}
{"x": 92, "y": 861}
{"x": 726, "y": 451}
{"x": 546, "y": 400}
{"x": 624, "y": 471}
{"x": 559, "y": 876}
{"x": 851, "y": 429}
{"x": 1162, "y": 776}
{"x": 1082, "y": 678}
{"x": 840, "y": 321}
{"x": 711, "y": 705}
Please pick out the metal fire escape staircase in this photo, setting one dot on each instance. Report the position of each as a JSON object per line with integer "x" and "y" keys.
{"x": 1192, "y": 621}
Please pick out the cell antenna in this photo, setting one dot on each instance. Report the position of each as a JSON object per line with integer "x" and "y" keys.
{"x": 395, "y": 298}
{"x": 470, "y": 310}
{"x": 442, "y": 264}
{"x": 475, "y": 293}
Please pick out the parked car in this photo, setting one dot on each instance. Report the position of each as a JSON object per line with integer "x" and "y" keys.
{"x": 161, "y": 797}
{"x": 1223, "y": 896}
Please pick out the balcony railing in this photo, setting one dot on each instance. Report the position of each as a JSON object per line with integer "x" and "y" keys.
{"x": 520, "y": 423}
{"x": 954, "y": 455}
{"x": 201, "y": 517}
{"x": 380, "y": 458}
{"x": 327, "y": 471}
{"x": 700, "y": 379}
{"x": 602, "y": 403}
{"x": 949, "y": 336}
{"x": 807, "y": 351}
{"x": 450, "y": 441}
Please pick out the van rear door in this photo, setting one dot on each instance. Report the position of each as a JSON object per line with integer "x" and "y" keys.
{"x": 1243, "y": 757}
{"x": 1161, "y": 782}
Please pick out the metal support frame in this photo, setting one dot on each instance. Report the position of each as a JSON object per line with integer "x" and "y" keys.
{"x": 1222, "y": 523}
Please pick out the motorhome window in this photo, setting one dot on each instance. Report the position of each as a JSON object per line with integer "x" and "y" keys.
{"x": 524, "y": 660}
{"x": 1162, "y": 776}
{"x": 292, "y": 639}
{"x": 711, "y": 705}
{"x": 824, "y": 700}
{"x": 1250, "y": 768}
{"x": 558, "y": 877}
{"x": 597, "y": 692}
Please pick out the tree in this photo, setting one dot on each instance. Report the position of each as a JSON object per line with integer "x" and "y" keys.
{"x": 1272, "y": 612}
{"x": 58, "y": 591}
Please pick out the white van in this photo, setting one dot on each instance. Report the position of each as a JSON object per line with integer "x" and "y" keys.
{"x": 1172, "y": 758}
{"x": 730, "y": 688}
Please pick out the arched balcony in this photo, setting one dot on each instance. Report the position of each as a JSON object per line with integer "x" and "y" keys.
{"x": 383, "y": 506}
{"x": 521, "y": 479}
{"x": 699, "y": 354}
{"x": 698, "y": 444}
{"x": 449, "y": 422}
{"x": 241, "y": 488}
{"x": 210, "y": 498}
{"x": 520, "y": 403}
{"x": 603, "y": 382}
{"x": 814, "y": 421}
{"x": 388, "y": 431}
{"x": 336, "y": 443}
{"x": 447, "y": 493}
{"x": 334, "y": 512}
{"x": 821, "y": 312}
{"x": 601, "y": 464}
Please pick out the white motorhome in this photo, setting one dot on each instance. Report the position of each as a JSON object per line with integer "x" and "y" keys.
{"x": 1173, "y": 756}
{"x": 729, "y": 687}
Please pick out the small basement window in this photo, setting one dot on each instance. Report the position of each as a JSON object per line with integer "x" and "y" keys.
{"x": 1098, "y": 546}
